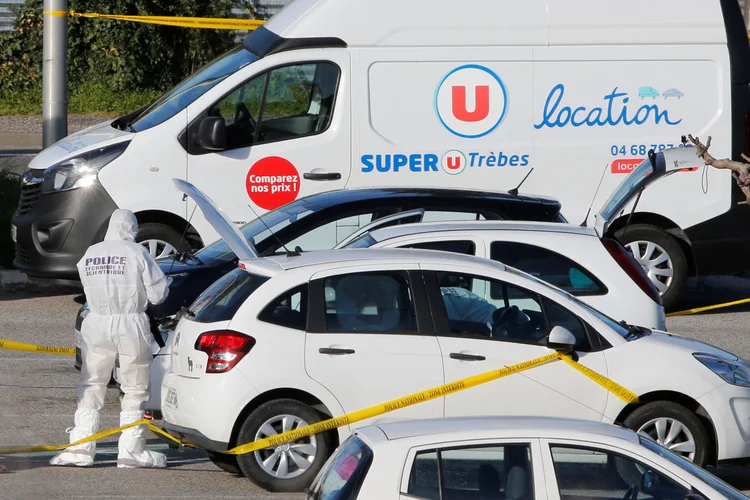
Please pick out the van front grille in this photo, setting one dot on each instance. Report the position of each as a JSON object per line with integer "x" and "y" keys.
{"x": 30, "y": 193}
{"x": 23, "y": 256}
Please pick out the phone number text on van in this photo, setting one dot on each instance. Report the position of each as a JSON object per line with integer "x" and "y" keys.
{"x": 639, "y": 149}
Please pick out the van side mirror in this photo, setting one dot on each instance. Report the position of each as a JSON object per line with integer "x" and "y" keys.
{"x": 561, "y": 340}
{"x": 212, "y": 134}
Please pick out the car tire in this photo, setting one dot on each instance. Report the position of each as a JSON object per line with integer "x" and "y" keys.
{"x": 643, "y": 420}
{"x": 162, "y": 234}
{"x": 273, "y": 413}
{"x": 227, "y": 463}
{"x": 640, "y": 236}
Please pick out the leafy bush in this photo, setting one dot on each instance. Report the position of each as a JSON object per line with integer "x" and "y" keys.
{"x": 10, "y": 192}
{"x": 123, "y": 56}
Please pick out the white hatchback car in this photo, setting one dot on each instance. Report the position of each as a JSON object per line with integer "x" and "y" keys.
{"x": 509, "y": 458}
{"x": 284, "y": 341}
{"x": 599, "y": 271}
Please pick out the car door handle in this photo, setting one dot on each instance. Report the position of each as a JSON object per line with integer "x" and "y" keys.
{"x": 466, "y": 357}
{"x": 322, "y": 176}
{"x": 335, "y": 351}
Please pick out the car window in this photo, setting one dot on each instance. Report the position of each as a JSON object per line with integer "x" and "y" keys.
{"x": 496, "y": 310}
{"x": 343, "y": 474}
{"x": 283, "y": 103}
{"x": 373, "y": 302}
{"x": 465, "y": 247}
{"x": 221, "y": 300}
{"x": 491, "y": 472}
{"x": 584, "y": 472}
{"x": 547, "y": 265}
{"x": 288, "y": 310}
{"x": 451, "y": 215}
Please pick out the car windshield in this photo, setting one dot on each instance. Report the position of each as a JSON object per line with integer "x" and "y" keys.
{"x": 714, "y": 482}
{"x": 192, "y": 88}
{"x": 615, "y": 202}
{"x": 343, "y": 474}
{"x": 260, "y": 229}
{"x": 617, "y": 327}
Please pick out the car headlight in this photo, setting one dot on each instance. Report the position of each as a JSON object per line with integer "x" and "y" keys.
{"x": 80, "y": 171}
{"x": 733, "y": 372}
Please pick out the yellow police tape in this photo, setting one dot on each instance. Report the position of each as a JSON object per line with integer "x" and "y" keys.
{"x": 372, "y": 411}
{"x": 186, "y": 22}
{"x": 12, "y": 345}
{"x": 708, "y": 308}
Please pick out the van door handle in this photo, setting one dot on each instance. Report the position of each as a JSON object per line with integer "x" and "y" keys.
{"x": 335, "y": 351}
{"x": 322, "y": 176}
{"x": 466, "y": 357}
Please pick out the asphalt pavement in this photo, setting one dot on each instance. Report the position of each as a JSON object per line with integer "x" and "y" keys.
{"x": 37, "y": 402}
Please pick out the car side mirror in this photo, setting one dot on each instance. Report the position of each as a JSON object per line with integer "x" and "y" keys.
{"x": 561, "y": 340}
{"x": 212, "y": 133}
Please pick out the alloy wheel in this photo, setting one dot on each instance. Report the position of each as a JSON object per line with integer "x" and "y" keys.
{"x": 288, "y": 460}
{"x": 655, "y": 261}
{"x": 671, "y": 434}
{"x": 158, "y": 248}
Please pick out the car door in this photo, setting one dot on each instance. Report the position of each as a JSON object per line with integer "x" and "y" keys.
{"x": 580, "y": 469}
{"x": 283, "y": 137}
{"x": 483, "y": 469}
{"x": 485, "y": 323}
{"x": 370, "y": 339}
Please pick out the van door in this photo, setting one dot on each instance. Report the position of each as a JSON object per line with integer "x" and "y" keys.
{"x": 272, "y": 137}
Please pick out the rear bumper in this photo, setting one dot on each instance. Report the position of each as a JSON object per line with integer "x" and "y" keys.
{"x": 192, "y": 436}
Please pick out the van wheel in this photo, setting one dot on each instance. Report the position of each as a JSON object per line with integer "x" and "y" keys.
{"x": 227, "y": 463}
{"x": 161, "y": 240}
{"x": 290, "y": 467}
{"x": 674, "y": 427}
{"x": 660, "y": 255}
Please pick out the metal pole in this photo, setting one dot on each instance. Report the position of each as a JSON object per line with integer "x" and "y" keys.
{"x": 55, "y": 74}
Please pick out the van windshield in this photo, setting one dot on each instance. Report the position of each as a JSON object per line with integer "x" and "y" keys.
{"x": 192, "y": 88}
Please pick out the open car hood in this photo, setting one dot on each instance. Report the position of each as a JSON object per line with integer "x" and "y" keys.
{"x": 653, "y": 168}
{"x": 219, "y": 221}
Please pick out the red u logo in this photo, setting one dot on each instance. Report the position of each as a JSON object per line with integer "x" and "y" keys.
{"x": 481, "y": 103}
{"x": 454, "y": 162}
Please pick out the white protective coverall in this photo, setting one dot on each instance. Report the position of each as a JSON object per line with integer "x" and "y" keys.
{"x": 119, "y": 278}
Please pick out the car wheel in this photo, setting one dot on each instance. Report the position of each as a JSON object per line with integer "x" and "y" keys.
{"x": 161, "y": 240}
{"x": 290, "y": 467}
{"x": 674, "y": 427}
{"x": 227, "y": 463}
{"x": 660, "y": 255}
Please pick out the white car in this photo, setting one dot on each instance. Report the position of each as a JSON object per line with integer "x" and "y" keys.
{"x": 284, "y": 341}
{"x": 599, "y": 271}
{"x": 512, "y": 459}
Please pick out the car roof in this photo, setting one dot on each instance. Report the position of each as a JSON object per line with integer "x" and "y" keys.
{"x": 275, "y": 264}
{"x": 492, "y": 427}
{"x": 396, "y": 231}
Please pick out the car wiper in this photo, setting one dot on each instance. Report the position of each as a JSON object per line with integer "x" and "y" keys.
{"x": 637, "y": 331}
{"x": 187, "y": 312}
{"x": 186, "y": 256}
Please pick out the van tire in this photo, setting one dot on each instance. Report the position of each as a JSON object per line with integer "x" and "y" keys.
{"x": 162, "y": 232}
{"x": 267, "y": 412}
{"x": 646, "y": 414}
{"x": 669, "y": 244}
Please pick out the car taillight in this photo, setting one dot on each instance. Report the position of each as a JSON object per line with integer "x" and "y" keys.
{"x": 632, "y": 268}
{"x": 225, "y": 349}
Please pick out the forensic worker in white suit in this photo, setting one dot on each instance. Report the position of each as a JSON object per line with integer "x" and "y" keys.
{"x": 120, "y": 279}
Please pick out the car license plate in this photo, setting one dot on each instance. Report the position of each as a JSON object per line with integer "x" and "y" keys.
{"x": 171, "y": 399}
{"x": 13, "y": 233}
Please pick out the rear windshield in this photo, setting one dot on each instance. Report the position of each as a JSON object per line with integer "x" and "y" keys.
{"x": 221, "y": 300}
{"x": 344, "y": 473}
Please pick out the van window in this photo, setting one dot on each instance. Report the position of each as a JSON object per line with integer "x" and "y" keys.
{"x": 284, "y": 103}
{"x": 192, "y": 88}
{"x": 221, "y": 300}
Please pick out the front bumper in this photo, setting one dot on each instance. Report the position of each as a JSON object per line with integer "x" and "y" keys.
{"x": 55, "y": 229}
{"x": 729, "y": 409}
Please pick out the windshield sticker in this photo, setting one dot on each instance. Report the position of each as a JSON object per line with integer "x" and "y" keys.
{"x": 272, "y": 182}
{"x": 471, "y": 101}
{"x": 618, "y": 109}
{"x": 451, "y": 162}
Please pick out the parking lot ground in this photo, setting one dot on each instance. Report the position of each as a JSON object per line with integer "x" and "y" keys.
{"x": 37, "y": 402}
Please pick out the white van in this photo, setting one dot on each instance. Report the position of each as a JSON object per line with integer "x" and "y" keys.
{"x": 333, "y": 94}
